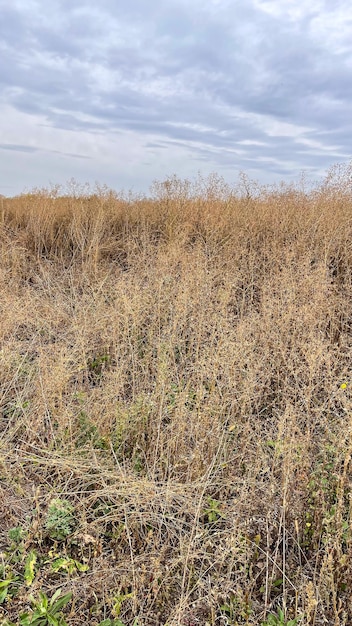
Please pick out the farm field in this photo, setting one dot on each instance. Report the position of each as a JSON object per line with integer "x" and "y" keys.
{"x": 176, "y": 405}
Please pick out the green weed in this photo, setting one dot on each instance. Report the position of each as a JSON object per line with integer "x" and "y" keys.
{"x": 46, "y": 611}
{"x": 213, "y": 512}
{"x": 279, "y": 619}
{"x": 60, "y": 520}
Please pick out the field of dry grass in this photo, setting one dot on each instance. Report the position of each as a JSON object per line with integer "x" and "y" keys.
{"x": 175, "y": 411}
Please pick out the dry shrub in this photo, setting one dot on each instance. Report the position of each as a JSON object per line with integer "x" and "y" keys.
{"x": 178, "y": 368}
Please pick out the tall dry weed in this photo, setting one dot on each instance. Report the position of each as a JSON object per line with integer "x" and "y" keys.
{"x": 178, "y": 367}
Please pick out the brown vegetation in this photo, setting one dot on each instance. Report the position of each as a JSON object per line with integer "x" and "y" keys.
{"x": 177, "y": 368}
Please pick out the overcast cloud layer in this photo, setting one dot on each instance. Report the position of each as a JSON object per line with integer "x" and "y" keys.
{"x": 127, "y": 91}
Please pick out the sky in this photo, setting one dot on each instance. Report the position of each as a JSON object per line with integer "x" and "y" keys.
{"x": 125, "y": 92}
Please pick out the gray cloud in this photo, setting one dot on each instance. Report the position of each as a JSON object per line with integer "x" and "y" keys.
{"x": 244, "y": 83}
{"x": 17, "y": 147}
{"x": 33, "y": 149}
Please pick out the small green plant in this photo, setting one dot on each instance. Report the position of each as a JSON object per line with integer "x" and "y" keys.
{"x": 16, "y": 535}
{"x": 15, "y": 551}
{"x": 97, "y": 362}
{"x": 96, "y": 366}
{"x": 60, "y": 519}
{"x": 89, "y": 433}
{"x": 15, "y": 409}
{"x": 213, "y": 511}
{"x": 276, "y": 584}
{"x": 7, "y": 588}
{"x": 46, "y": 612}
{"x": 68, "y": 565}
{"x": 280, "y": 620}
{"x": 178, "y": 392}
{"x": 118, "y": 602}
{"x": 334, "y": 523}
{"x": 230, "y": 609}
{"x": 235, "y": 608}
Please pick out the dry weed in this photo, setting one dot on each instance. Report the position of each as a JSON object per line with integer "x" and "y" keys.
{"x": 178, "y": 369}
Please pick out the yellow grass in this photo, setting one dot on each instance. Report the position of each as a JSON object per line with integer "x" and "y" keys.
{"x": 179, "y": 369}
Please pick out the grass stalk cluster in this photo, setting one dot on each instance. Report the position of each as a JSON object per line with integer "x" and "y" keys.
{"x": 176, "y": 405}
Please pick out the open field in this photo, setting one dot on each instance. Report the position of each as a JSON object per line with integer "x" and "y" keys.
{"x": 176, "y": 414}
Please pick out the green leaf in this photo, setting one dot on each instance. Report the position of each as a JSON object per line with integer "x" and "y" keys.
{"x": 81, "y": 566}
{"x": 42, "y": 605}
{"x": 58, "y": 564}
{"x": 70, "y": 565}
{"x": 29, "y": 572}
{"x": 4, "y": 587}
{"x": 55, "y": 596}
{"x": 38, "y": 621}
{"x": 61, "y": 602}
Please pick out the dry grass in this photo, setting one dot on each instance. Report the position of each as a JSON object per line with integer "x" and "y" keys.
{"x": 172, "y": 367}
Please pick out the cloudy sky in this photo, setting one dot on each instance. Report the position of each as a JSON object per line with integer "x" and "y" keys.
{"x": 127, "y": 91}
